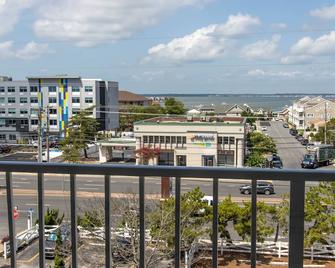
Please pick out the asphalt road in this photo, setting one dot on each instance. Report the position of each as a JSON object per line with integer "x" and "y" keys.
{"x": 289, "y": 149}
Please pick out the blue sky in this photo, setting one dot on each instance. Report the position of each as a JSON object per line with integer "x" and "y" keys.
{"x": 174, "y": 46}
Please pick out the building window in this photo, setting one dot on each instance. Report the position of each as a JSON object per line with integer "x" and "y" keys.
{"x": 52, "y": 89}
{"x": 231, "y": 140}
{"x": 220, "y": 140}
{"x": 2, "y": 136}
{"x": 24, "y": 122}
{"x": 225, "y": 140}
{"x": 161, "y": 139}
{"x": 151, "y": 139}
{"x": 75, "y": 89}
{"x": 167, "y": 139}
{"x": 88, "y": 100}
{"x": 2, "y": 89}
{"x": 310, "y": 115}
{"x": 88, "y": 89}
{"x": 53, "y": 122}
{"x": 34, "y": 122}
{"x": 2, "y": 100}
{"x": 11, "y": 89}
{"x": 23, "y": 89}
{"x": 184, "y": 140}
{"x": 75, "y": 100}
{"x": 23, "y": 111}
{"x": 11, "y": 123}
{"x": 301, "y": 114}
{"x": 181, "y": 160}
{"x": 52, "y": 111}
{"x": 178, "y": 140}
{"x": 23, "y": 100}
{"x": 11, "y": 100}
{"x": 75, "y": 111}
{"x": 156, "y": 139}
{"x": 145, "y": 139}
{"x": 52, "y": 100}
{"x": 12, "y": 137}
{"x": 34, "y": 89}
{"x": 166, "y": 159}
{"x": 33, "y": 100}
{"x": 2, "y": 122}
{"x": 226, "y": 158}
{"x": 2, "y": 110}
{"x": 11, "y": 110}
{"x": 173, "y": 139}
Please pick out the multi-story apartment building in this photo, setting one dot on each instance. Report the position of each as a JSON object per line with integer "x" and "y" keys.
{"x": 309, "y": 111}
{"x": 193, "y": 141}
{"x": 60, "y": 97}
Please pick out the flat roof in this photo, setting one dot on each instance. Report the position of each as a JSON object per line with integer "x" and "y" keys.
{"x": 183, "y": 120}
{"x": 54, "y": 76}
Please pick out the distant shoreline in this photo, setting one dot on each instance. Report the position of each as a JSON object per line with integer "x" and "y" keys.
{"x": 239, "y": 94}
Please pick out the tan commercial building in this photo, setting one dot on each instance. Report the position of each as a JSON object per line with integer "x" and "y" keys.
{"x": 193, "y": 141}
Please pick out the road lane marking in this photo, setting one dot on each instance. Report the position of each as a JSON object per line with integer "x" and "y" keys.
{"x": 86, "y": 188}
{"x": 21, "y": 182}
{"x": 95, "y": 185}
{"x": 32, "y": 205}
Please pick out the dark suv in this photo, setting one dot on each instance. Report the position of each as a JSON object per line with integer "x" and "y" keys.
{"x": 263, "y": 187}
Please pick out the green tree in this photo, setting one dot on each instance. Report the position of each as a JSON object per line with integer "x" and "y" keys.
{"x": 59, "y": 260}
{"x": 320, "y": 214}
{"x": 146, "y": 154}
{"x": 173, "y": 106}
{"x": 228, "y": 213}
{"x": 265, "y": 227}
{"x": 262, "y": 143}
{"x": 52, "y": 217}
{"x": 80, "y": 131}
{"x": 194, "y": 215}
{"x": 320, "y": 135}
{"x": 255, "y": 159}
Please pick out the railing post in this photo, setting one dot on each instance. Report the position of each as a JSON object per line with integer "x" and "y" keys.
{"x": 177, "y": 224}
{"x": 11, "y": 224}
{"x": 74, "y": 231}
{"x": 108, "y": 249}
{"x": 215, "y": 223}
{"x": 296, "y": 231}
{"x": 142, "y": 222}
{"x": 253, "y": 223}
{"x": 40, "y": 193}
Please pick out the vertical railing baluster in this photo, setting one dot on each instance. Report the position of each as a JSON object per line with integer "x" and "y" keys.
{"x": 41, "y": 239}
{"x": 11, "y": 224}
{"x": 177, "y": 224}
{"x": 253, "y": 223}
{"x": 142, "y": 222}
{"x": 108, "y": 249}
{"x": 215, "y": 223}
{"x": 296, "y": 228}
{"x": 73, "y": 190}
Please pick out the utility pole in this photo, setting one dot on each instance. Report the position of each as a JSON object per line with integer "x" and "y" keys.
{"x": 47, "y": 135}
{"x": 40, "y": 133}
{"x": 325, "y": 122}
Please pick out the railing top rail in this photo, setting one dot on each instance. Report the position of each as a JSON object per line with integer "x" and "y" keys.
{"x": 170, "y": 171}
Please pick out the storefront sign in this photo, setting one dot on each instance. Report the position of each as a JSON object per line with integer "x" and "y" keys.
{"x": 204, "y": 140}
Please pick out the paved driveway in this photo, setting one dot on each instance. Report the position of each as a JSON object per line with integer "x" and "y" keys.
{"x": 289, "y": 149}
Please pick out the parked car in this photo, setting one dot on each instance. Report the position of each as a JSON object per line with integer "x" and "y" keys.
{"x": 50, "y": 244}
{"x": 304, "y": 142}
{"x": 264, "y": 129}
{"x": 285, "y": 125}
{"x": 299, "y": 138}
{"x": 263, "y": 187}
{"x": 293, "y": 131}
{"x": 277, "y": 164}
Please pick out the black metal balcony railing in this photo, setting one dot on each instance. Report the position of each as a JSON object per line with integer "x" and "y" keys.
{"x": 297, "y": 179}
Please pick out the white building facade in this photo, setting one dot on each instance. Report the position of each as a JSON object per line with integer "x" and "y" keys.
{"x": 183, "y": 142}
{"x": 59, "y": 97}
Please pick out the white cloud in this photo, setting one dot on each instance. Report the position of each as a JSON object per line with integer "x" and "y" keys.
{"x": 281, "y": 74}
{"x": 30, "y": 51}
{"x": 10, "y": 11}
{"x": 308, "y": 49}
{"x": 279, "y": 26}
{"x": 88, "y": 22}
{"x": 206, "y": 43}
{"x": 327, "y": 13}
{"x": 262, "y": 49}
